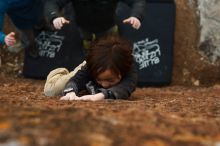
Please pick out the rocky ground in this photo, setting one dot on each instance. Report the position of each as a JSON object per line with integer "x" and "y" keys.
{"x": 186, "y": 113}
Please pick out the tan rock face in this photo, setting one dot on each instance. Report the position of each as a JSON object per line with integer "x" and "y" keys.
{"x": 190, "y": 63}
{"x": 209, "y": 12}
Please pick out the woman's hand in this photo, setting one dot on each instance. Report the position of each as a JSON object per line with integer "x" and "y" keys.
{"x": 133, "y": 21}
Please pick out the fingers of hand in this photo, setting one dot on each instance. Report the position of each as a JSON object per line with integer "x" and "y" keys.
{"x": 65, "y": 21}
{"x": 85, "y": 97}
{"x": 73, "y": 98}
{"x": 59, "y": 22}
{"x": 70, "y": 96}
{"x": 11, "y": 34}
{"x": 126, "y": 21}
{"x": 78, "y": 98}
{"x": 10, "y": 39}
{"x": 10, "y": 43}
{"x": 136, "y": 25}
{"x": 65, "y": 98}
{"x": 134, "y": 22}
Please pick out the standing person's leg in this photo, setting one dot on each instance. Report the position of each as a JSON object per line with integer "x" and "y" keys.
{"x": 113, "y": 30}
{"x": 28, "y": 41}
{"x": 25, "y": 18}
{"x": 87, "y": 38}
{"x": 57, "y": 79}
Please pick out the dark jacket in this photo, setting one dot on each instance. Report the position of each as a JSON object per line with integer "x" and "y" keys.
{"x": 94, "y": 16}
{"x": 83, "y": 81}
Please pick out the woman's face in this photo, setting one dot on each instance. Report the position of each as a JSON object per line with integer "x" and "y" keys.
{"x": 108, "y": 79}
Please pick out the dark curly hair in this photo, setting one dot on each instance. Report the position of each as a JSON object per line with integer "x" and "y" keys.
{"x": 110, "y": 52}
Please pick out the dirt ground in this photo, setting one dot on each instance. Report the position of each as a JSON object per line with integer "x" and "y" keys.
{"x": 186, "y": 113}
{"x": 175, "y": 115}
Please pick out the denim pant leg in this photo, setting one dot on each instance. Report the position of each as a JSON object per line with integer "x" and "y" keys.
{"x": 87, "y": 38}
{"x": 24, "y": 37}
{"x": 113, "y": 30}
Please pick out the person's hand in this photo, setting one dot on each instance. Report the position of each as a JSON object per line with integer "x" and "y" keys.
{"x": 10, "y": 39}
{"x": 95, "y": 97}
{"x": 133, "y": 21}
{"x": 59, "y": 22}
{"x": 69, "y": 96}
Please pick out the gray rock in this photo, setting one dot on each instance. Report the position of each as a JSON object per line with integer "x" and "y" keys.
{"x": 209, "y": 13}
